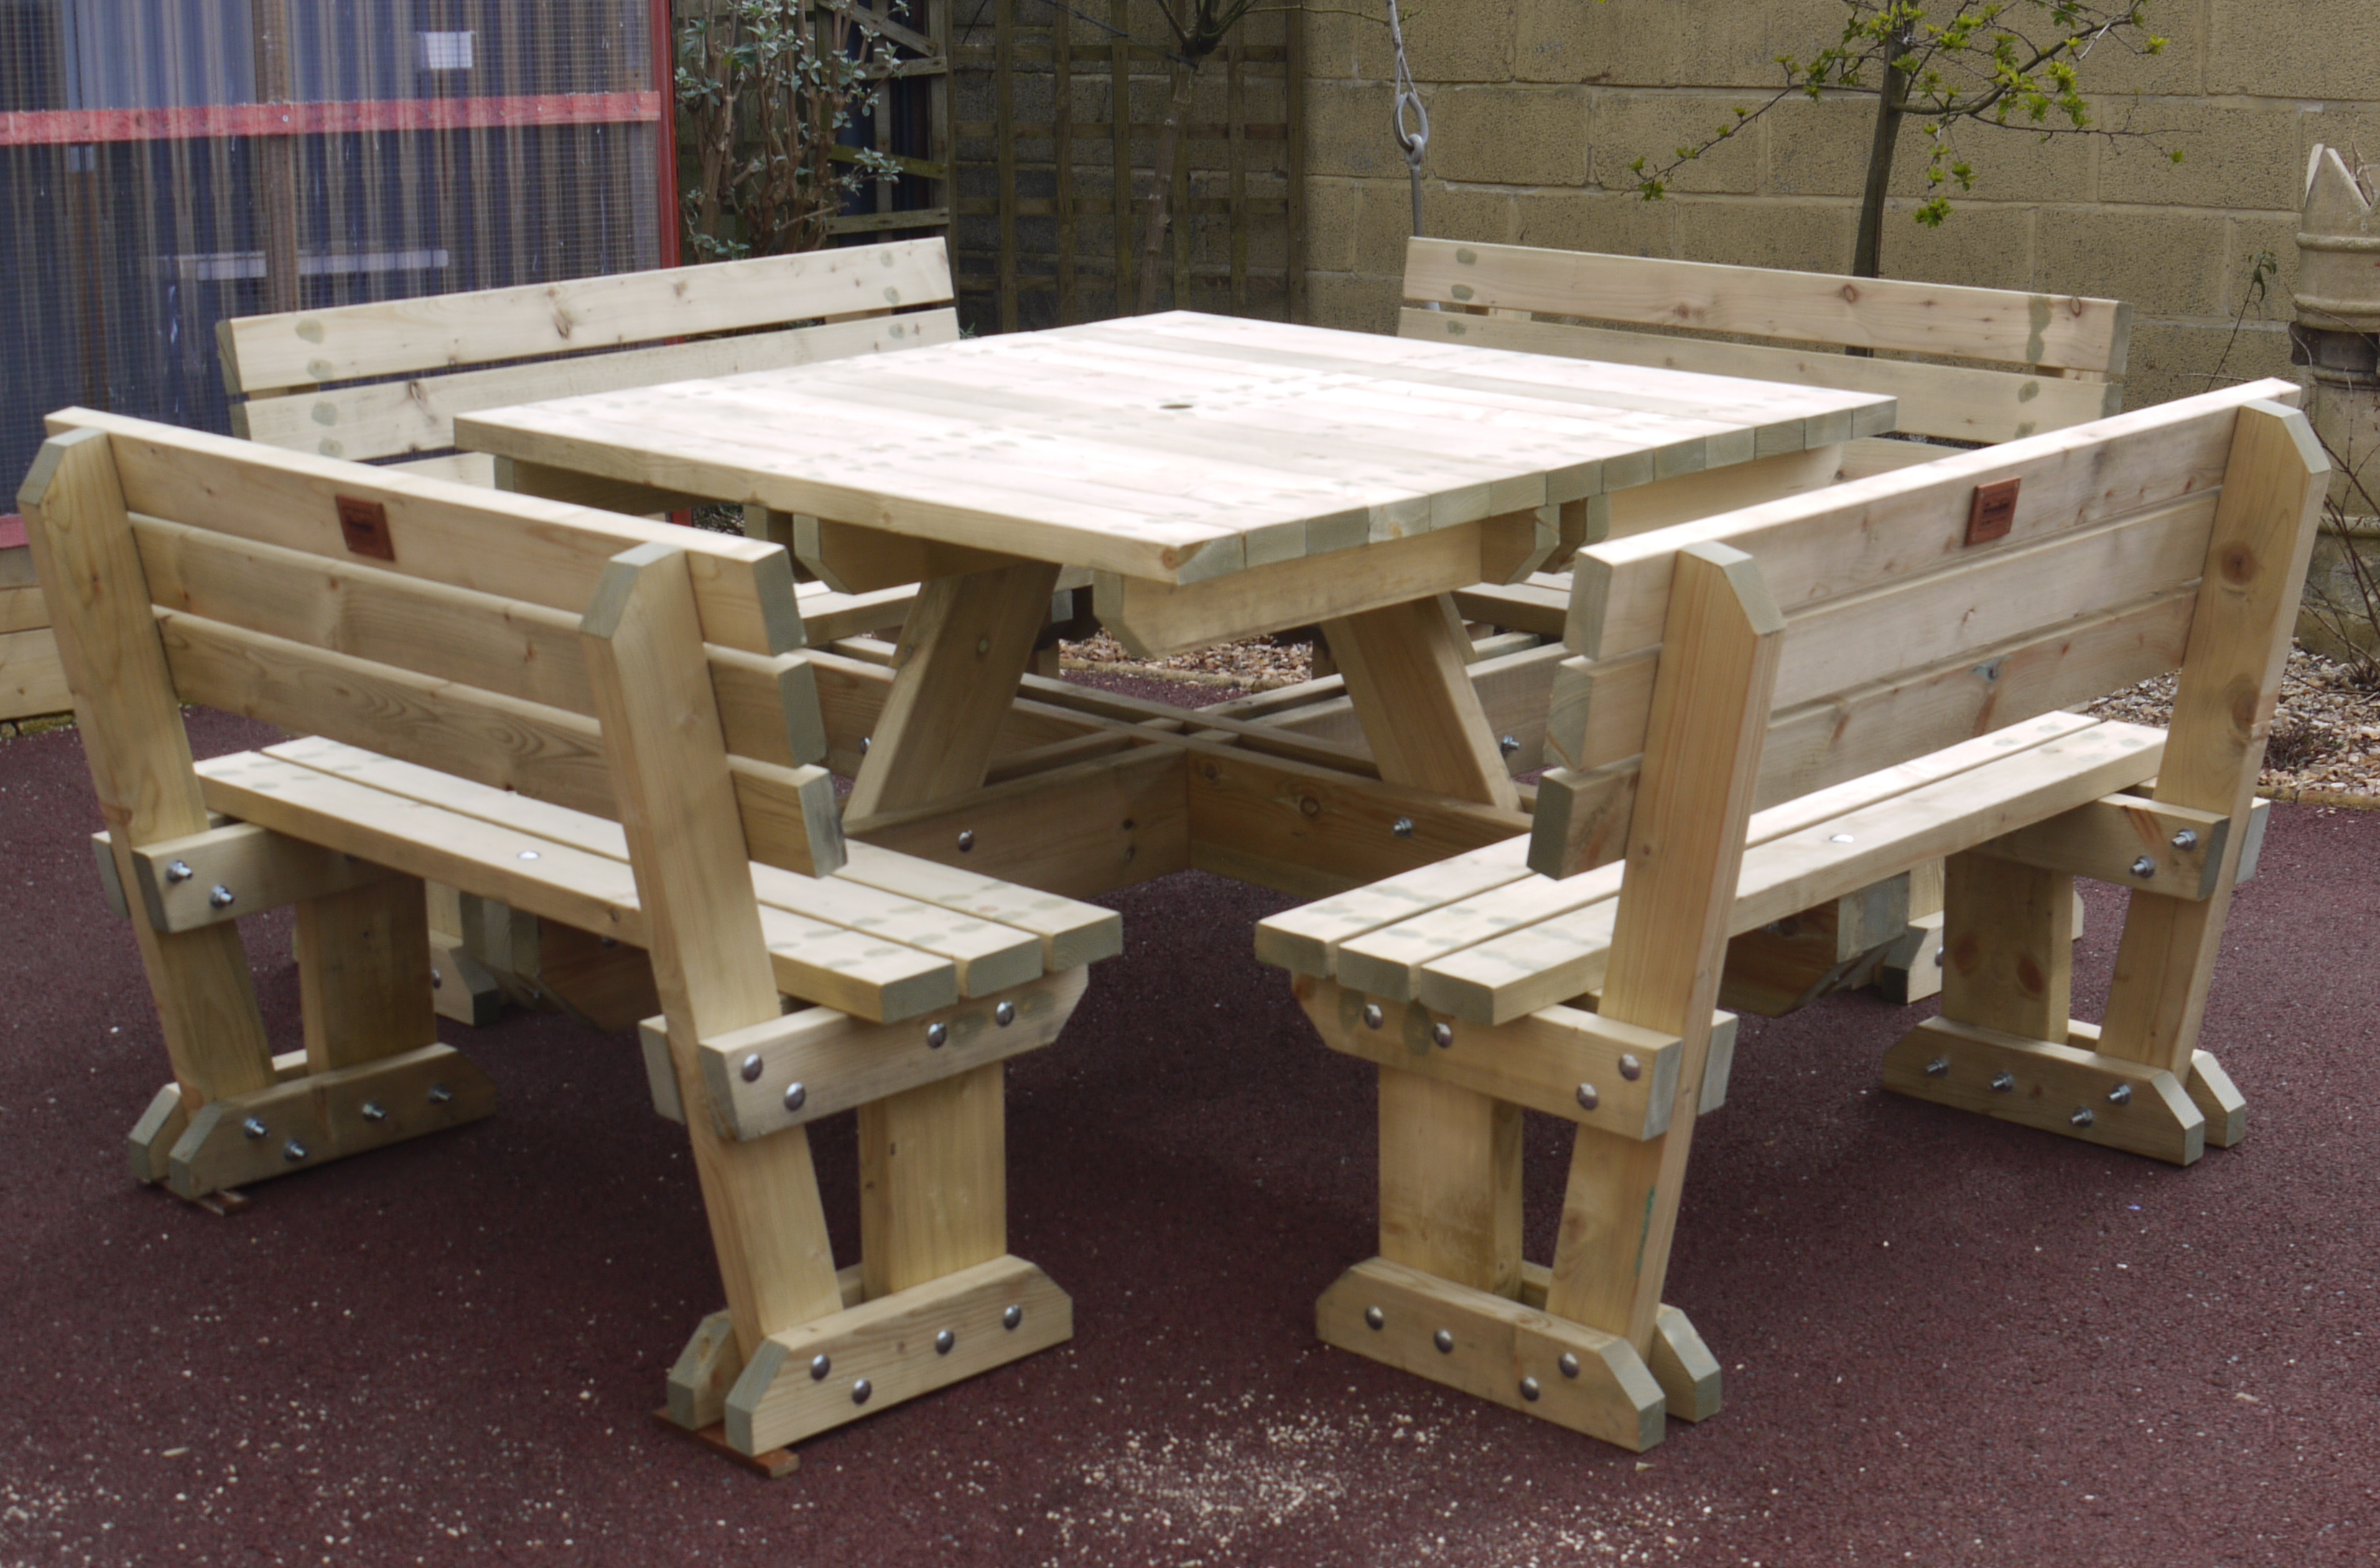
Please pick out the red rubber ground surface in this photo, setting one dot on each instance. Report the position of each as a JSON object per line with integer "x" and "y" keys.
{"x": 1946, "y": 1340}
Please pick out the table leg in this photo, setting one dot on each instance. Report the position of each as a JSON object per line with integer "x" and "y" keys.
{"x": 1406, "y": 669}
{"x": 964, "y": 651}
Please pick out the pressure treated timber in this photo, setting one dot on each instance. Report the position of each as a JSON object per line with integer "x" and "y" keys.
{"x": 325, "y": 1116}
{"x": 2055, "y": 1086}
{"x": 889, "y": 1346}
{"x": 1496, "y": 1349}
{"x": 238, "y": 869}
{"x": 2049, "y": 330}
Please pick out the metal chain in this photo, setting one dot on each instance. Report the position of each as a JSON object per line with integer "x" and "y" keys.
{"x": 1415, "y": 141}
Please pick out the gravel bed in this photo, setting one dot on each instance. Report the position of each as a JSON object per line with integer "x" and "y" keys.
{"x": 2325, "y": 742}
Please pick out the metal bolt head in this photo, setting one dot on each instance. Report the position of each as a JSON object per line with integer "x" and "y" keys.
{"x": 1373, "y": 1016}
{"x": 1569, "y": 1364}
{"x": 1938, "y": 1068}
{"x": 1441, "y": 1035}
{"x": 253, "y": 1128}
{"x": 982, "y": 645}
{"x": 529, "y": 853}
{"x": 1630, "y": 1068}
{"x": 293, "y": 1151}
{"x": 1444, "y": 1340}
{"x": 821, "y": 1364}
{"x": 796, "y": 1095}
{"x": 375, "y": 1112}
{"x": 439, "y": 1094}
{"x": 437, "y": 980}
{"x": 864, "y": 742}
{"x": 2186, "y": 839}
{"x": 2145, "y": 867}
{"x": 944, "y": 1342}
{"x": 2082, "y": 1117}
{"x": 861, "y": 1390}
{"x": 1588, "y": 1099}
{"x": 937, "y": 1036}
{"x": 1375, "y": 1319}
{"x": 178, "y": 872}
{"x": 221, "y": 896}
{"x": 1841, "y": 838}
{"x": 2121, "y": 1095}
{"x": 1508, "y": 744}
{"x": 2003, "y": 1083}
{"x": 751, "y": 1067}
{"x": 1529, "y": 1390}
{"x": 1012, "y": 1316}
{"x": 1004, "y": 1015}
{"x": 1401, "y": 827}
{"x": 967, "y": 840}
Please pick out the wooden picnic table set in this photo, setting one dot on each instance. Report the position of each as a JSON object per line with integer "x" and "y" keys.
{"x": 1798, "y": 697}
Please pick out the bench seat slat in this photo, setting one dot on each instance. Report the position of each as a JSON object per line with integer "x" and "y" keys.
{"x": 1558, "y": 959}
{"x": 990, "y": 957}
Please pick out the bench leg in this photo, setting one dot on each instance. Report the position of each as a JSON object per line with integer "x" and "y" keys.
{"x": 1451, "y": 1183}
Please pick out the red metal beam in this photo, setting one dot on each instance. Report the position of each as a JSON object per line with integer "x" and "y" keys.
{"x": 42, "y": 128}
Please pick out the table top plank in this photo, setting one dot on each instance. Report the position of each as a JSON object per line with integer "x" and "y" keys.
{"x": 1174, "y": 448}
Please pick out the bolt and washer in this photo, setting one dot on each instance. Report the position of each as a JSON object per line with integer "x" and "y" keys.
{"x": 1004, "y": 1015}
{"x": 1401, "y": 827}
{"x": 2082, "y": 1117}
{"x": 2121, "y": 1095}
{"x": 439, "y": 1094}
{"x": 437, "y": 980}
{"x": 1375, "y": 1318}
{"x": 1529, "y": 1390}
{"x": 2186, "y": 839}
{"x": 1630, "y": 1068}
{"x": 220, "y": 896}
{"x": 796, "y": 1095}
{"x": 293, "y": 1151}
{"x": 375, "y": 1112}
{"x": 1444, "y": 1340}
{"x": 1569, "y": 1364}
{"x": 178, "y": 872}
{"x": 821, "y": 1364}
{"x": 2145, "y": 867}
{"x": 1938, "y": 1068}
{"x": 967, "y": 840}
{"x": 1373, "y": 1016}
{"x": 944, "y": 1342}
{"x": 1588, "y": 1099}
{"x": 1508, "y": 744}
{"x": 253, "y": 1128}
{"x": 752, "y": 1068}
{"x": 937, "y": 1036}
{"x": 860, "y": 1391}
{"x": 1012, "y": 1316}
{"x": 2003, "y": 1083}
{"x": 1442, "y": 1036}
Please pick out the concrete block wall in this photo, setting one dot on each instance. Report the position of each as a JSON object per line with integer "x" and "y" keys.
{"x": 1539, "y": 106}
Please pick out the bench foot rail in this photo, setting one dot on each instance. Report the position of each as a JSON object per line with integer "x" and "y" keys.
{"x": 816, "y": 1376}
{"x": 2063, "y": 1087}
{"x": 1510, "y": 1352}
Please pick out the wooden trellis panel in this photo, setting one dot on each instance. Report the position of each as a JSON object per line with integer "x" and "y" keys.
{"x": 1054, "y": 183}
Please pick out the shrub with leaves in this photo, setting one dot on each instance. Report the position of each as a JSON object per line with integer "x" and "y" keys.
{"x": 2003, "y": 65}
{"x": 765, "y": 89}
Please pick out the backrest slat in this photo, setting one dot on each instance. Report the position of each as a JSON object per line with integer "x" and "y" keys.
{"x": 304, "y": 348}
{"x": 1953, "y": 402}
{"x": 1902, "y": 637}
{"x": 387, "y": 418}
{"x": 492, "y": 541}
{"x": 2051, "y": 332}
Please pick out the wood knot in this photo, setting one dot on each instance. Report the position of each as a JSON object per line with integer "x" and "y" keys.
{"x": 2238, "y": 564}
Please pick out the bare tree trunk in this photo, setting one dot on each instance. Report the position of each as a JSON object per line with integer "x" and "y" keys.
{"x": 1160, "y": 210}
{"x": 1891, "y": 105}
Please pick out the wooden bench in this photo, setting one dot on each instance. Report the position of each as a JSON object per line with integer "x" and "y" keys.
{"x": 1770, "y": 708}
{"x": 382, "y": 382}
{"x": 2031, "y": 363}
{"x": 606, "y": 723}
{"x": 32, "y": 682}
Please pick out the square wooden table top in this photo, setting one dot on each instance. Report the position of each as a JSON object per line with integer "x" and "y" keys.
{"x": 1174, "y": 448}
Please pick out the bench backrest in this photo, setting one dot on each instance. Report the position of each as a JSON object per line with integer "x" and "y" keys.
{"x": 386, "y": 378}
{"x": 428, "y": 621}
{"x": 2055, "y": 354}
{"x": 1912, "y": 624}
